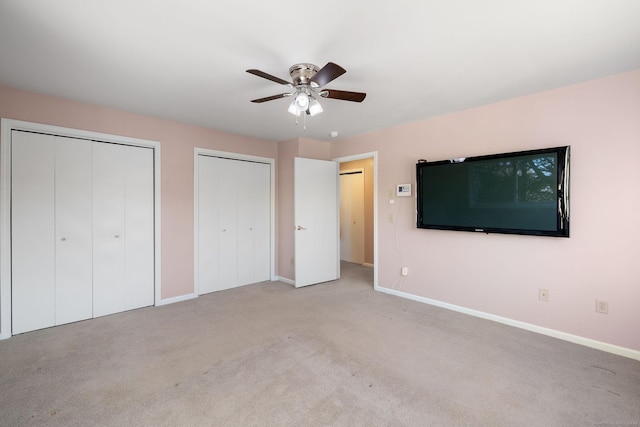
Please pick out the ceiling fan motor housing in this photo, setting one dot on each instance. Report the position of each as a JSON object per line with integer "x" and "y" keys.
{"x": 301, "y": 74}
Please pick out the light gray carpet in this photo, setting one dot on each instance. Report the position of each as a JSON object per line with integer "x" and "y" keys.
{"x": 337, "y": 353}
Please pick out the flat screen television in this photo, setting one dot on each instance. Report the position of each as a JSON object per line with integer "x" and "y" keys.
{"x": 525, "y": 192}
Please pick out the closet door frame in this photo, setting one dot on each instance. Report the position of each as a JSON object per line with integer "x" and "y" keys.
{"x": 9, "y": 125}
{"x": 232, "y": 156}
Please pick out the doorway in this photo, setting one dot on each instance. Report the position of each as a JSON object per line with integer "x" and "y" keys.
{"x": 367, "y": 163}
{"x": 352, "y": 214}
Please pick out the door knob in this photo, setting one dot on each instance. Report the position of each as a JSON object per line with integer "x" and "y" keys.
{"x": 298, "y": 227}
{"x": 63, "y": 239}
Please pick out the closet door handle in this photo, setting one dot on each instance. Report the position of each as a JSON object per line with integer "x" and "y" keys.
{"x": 117, "y": 236}
{"x": 63, "y": 239}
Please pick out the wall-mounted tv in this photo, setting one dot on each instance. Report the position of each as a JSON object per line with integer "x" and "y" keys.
{"x": 525, "y": 192}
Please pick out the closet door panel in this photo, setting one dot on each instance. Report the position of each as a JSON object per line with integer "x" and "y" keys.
{"x": 262, "y": 222}
{"x": 234, "y": 223}
{"x": 33, "y": 231}
{"x": 139, "y": 228}
{"x": 73, "y": 223}
{"x": 228, "y": 226}
{"x": 208, "y": 224}
{"x": 108, "y": 229}
{"x": 245, "y": 213}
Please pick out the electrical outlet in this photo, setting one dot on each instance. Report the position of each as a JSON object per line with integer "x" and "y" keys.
{"x": 404, "y": 271}
{"x": 543, "y": 294}
{"x": 602, "y": 306}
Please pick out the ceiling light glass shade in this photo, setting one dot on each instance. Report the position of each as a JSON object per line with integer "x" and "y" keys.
{"x": 314, "y": 107}
{"x": 293, "y": 109}
{"x": 302, "y": 101}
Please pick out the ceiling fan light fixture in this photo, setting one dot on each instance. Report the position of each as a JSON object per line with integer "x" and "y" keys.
{"x": 314, "y": 107}
{"x": 293, "y": 108}
{"x": 302, "y": 101}
{"x": 306, "y": 87}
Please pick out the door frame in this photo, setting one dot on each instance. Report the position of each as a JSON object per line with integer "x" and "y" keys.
{"x": 8, "y": 125}
{"x": 361, "y": 156}
{"x": 272, "y": 209}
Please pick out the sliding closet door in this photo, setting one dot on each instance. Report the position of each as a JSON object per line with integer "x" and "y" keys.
{"x": 139, "y": 228}
{"x": 73, "y": 236}
{"x": 32, "y": 231}
{"x": 108, "y": 229}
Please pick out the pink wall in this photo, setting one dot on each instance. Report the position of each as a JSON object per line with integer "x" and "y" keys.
{"x": 177, "y": 141}
{"x": 313, "y": 149}
{"x": 501, "y": 274}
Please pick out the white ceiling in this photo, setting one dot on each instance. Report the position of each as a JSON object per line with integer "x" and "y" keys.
{"x": 186, "y": 60}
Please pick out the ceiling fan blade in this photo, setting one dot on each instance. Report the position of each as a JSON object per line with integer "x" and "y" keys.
{"x": 328, "y": 73}
{"x": 344, "y": 95}
{"x": 271, "y": 98}
{"x": 268, "y": 76}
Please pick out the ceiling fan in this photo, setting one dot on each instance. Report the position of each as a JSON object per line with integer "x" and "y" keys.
{"x": 306, "y": 85}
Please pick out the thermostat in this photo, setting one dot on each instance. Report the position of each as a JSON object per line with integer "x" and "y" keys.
{"x": 403, "y": 190}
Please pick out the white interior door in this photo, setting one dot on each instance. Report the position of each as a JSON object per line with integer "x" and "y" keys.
{"x": 352, "y": 216}
{"x": 32, "y": 231}
{"x": 316, "y": 221}
{"x": 74, "y": 223}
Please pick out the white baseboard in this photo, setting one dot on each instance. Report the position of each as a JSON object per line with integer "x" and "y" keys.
{"x": 177, "y": 299}
{"x": 285, "y": 280}
{"x": 588, "y": 342}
